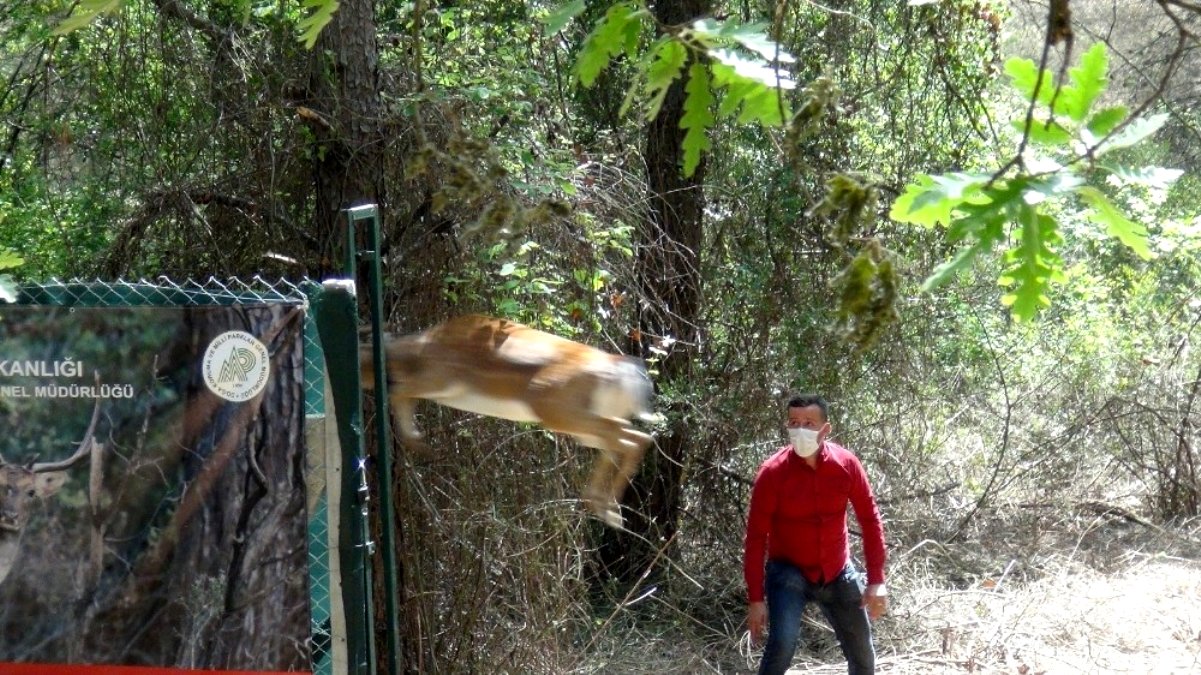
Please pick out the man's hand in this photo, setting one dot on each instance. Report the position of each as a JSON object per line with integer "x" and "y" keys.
{"x": 756, "y": 620}
{"x": 875, "y": 601}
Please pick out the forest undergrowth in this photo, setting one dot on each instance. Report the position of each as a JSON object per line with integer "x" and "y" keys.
{"x": 1083, "y": 588}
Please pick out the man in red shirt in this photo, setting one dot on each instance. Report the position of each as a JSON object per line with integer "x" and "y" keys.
{"x": 798, "y": 524}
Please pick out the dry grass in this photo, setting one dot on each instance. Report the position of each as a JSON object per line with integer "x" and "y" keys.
{"x": 1106, "y": 596}
{"x": 1141, "y": 618}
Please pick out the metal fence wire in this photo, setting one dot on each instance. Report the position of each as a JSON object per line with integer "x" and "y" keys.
{"x": 164, "y": 292}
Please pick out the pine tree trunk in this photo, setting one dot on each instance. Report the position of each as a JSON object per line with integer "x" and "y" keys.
{"x": 669, "y": 271}
{"x": 345, "y": 97}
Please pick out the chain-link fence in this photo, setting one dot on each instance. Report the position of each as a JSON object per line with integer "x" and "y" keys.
{"x": 162, "y": 292}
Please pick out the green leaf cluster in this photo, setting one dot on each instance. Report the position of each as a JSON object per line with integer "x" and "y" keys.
{"x": 1022, "y": 209}
{"x": 867, "y": 296}
{"x": 730, "y": 60}
{"x": 8, "y": 287}
{"x": 697, "y": 116}
{"x": 317, "y": 15}
{"x": 321, "y": 12}
{"x": 84, "y": 13}
{"x": 9, "y": 259}
{"x": 615, "y": 33}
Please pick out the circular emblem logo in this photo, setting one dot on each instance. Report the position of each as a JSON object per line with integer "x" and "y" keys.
{"x": 236, "y": 366}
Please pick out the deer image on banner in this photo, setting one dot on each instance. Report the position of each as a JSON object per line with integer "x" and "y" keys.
{"x": 20, "y": 486}
{"x": 503, "y": 369}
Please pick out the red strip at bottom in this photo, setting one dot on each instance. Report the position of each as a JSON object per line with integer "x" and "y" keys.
{"x": 64, "y": 669}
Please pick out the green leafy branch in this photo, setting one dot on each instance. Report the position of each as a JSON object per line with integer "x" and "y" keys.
{"x": 1070, "y": 141}
{"x": 85, "y": 12}
{"x": 318, "y": 14}
{"x": 737, "y": 61}
{"x": 8, "y": 287}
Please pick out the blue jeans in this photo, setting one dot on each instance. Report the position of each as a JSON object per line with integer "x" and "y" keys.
{"x": 788, "y": 591}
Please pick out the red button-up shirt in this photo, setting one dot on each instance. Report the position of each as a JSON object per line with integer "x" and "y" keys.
{"x": 799, "y": 514}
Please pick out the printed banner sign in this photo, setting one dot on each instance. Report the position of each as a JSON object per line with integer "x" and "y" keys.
{"x": 152, "y": 502}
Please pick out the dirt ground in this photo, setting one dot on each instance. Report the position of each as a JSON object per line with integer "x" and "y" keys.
{"x": 1106, "y": 595}
{"x": 1143, "y": 619}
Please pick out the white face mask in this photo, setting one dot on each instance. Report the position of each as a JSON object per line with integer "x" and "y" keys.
{"x": 804, "y": 441}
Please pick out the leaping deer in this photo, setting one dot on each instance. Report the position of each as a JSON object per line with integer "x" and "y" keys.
{"x": 21, "y": 485}
{"x": 503, "y": 369}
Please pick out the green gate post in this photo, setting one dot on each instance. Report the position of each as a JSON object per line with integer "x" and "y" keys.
{"x": 369, "y": 214}
{"x": 336, "y": 312}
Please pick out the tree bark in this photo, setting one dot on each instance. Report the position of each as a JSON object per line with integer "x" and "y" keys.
{"x": 347, "y": 157}
{"x": 668, "y": 270}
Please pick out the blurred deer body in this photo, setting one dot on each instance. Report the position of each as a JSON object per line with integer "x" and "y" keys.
{"x": 20, "y": 486}
{"x": 503, "y": 369}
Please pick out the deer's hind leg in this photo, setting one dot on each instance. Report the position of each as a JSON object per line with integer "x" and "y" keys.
{"x": 594, "y": 431}
{"x": 615, "y": 466}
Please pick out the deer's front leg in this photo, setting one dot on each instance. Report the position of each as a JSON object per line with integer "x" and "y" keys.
{"x": 404, "y": 411}
{"x": 568, "y": 411}
{"x": 634, "y": 444}
{"x": 601, "y": 501}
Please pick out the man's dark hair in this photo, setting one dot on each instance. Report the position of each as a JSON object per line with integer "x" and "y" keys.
{"x": 806, "y": 400}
